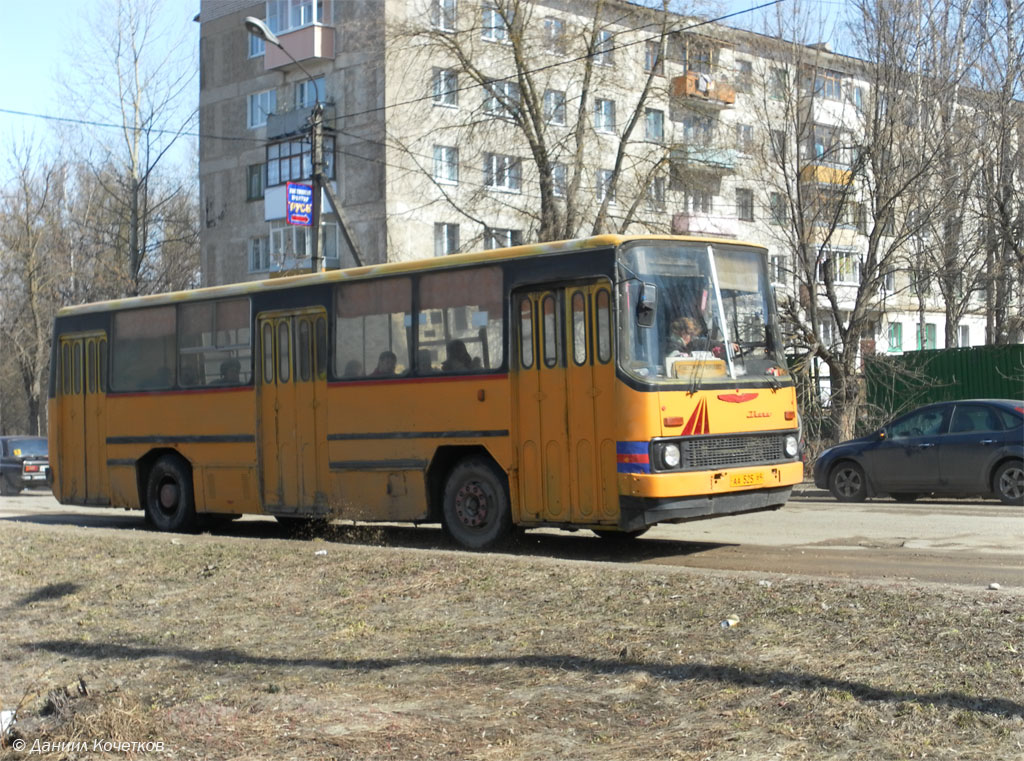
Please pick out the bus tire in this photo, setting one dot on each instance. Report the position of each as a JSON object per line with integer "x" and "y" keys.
{"x": 476, "y": 510}
{"x": 170, "y": 502}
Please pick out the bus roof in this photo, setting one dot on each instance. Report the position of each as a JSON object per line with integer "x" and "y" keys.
{"x": 390, "y": 268}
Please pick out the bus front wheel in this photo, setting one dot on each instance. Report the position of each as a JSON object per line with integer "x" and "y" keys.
{"x": 476, "y": 504}
{"x": 170, "y": 505}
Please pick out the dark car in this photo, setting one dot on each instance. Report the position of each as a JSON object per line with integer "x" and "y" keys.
{"x": 24, "y": 463}
{"x": 966, "y": 448}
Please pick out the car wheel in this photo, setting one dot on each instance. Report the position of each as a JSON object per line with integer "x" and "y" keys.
{"x": 5, "y": 487}
{"x": 847, "y": 482}
{"x": 1008, "y": 482}
{"x": 170, "y": 505}
{"x": 905, "y": 496}
{"x": 476, "y": 504}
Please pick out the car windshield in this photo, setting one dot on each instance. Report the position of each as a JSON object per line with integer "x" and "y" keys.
{"x": 713, "y": 315}
{"x": 28, "y": 447}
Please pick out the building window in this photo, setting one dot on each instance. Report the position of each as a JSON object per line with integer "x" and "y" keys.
{"x": 654, "y": 125}
{"x": 446, "y": 239}
{"x": 699, "y": 202}
{"x": 656, "y": 194}
{"x": 700, "y": 56}
{"x": 963, "y": 335}
{"x": 828, "y": 85}
{"x": 259, "y": 254}
{"x": 779, "y": 84}
{"x": 604, "y": 48}
{"x": 554, "y": 107}
{"x": 290, "y": 161}
{"x": 494, "y": 27}
{"x": 307, "y": 92}
{"x": 889, "y": 281}
{"x": 501, "y": 98}
{"x": 779, "y": 143}
{"x": 559, "y": 179}
{"x": 929, "y": 336}
{"x": 257, "y": 46}
{"x": 777, "y": 201}
{"x": 502, "y": 172}
{"x": 844, "y": 266}
{"x": 297, "y": 242}
{"x": 860, "y": 218}
{"x": 554, "y": 35}
{"x": 699, "y": 128}
{"x": 777, "y": 268}
{"x": 446, "y": 165}
{"x": 745, "y": 204}
{"x": 261, "y": 104}
{"x": 285, "y": 15}
{"x": 445, "y": 88}
{"x": 895, "y": 336}
{"x": 500, "y": 237}
{"x": 653, "y": 57}
{"x": 256, "y": 181}
{"x": 442, "y": 15}
{"x": 745, "y": 137}
{"x": 605, "y": 188}
{"x": 858, "y": 98}
{"x": 604, "y": 115}
{"x": 744, "y": 76}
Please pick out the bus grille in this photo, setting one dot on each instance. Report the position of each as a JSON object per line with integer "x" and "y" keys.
{"x": 725, "y": 451}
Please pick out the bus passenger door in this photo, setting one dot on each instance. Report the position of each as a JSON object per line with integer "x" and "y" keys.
{"x": 82, "y": 444}
{"x": 292, "y": 411}
{"x": 564, "y": 414}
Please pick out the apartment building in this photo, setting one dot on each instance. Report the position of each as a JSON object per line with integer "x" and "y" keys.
{"x": 629, "y": 121}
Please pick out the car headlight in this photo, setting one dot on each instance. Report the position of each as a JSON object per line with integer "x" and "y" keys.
{"x": 670, "y": 455}
{"x": 792, "y": 446}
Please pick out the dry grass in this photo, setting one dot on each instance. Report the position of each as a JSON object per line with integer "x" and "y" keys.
{"x": 242, "y": 648}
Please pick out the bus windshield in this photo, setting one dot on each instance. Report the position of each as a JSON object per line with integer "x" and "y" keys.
{"x": 709, "y": 316}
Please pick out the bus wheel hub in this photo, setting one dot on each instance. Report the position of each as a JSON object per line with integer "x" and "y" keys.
{"x": 471, "y": 505}
{"x": 168, "y": 496}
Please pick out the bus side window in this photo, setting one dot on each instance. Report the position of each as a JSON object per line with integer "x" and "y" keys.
{"x": 77, "y": 377}
{"x": 102, "y": 365}
{"x": 579, "y": 328}
{"x": 526, "y": 333}
{"x": 90, "y": 365}
{"x": 303, "y": 350}
{"x": 321, "y": 348}
{"x": 603, "y": 326}
{"x": 284, "y": 351}
{"x": 267, "y": 344}
{"x": 65, "y": 368}
{"x": 551, "y": 331}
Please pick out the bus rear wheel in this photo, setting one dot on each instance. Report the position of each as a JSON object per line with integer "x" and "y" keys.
{"x": 170, "y": 503}
{"x": 476, "y": 504}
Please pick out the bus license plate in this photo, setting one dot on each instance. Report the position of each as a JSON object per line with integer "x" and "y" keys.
{"x": 747, "y": 479}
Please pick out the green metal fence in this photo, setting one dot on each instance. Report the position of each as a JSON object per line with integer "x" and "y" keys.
{"x": 900, "y": 382}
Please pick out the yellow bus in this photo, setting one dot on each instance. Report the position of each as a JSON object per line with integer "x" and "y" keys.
{"x": 539, "y": 385}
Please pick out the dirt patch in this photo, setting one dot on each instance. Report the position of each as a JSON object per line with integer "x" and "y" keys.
{"x": 231, "y": 648}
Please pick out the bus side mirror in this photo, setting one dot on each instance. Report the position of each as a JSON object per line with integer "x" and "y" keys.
{"x": 647, "y": 305}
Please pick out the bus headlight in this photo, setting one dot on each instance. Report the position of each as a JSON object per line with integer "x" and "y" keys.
{"x": 670, "y": 455}
{"x": 792, "y": 446}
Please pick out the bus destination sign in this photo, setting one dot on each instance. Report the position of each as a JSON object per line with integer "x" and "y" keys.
{"x": 299, "y": 199}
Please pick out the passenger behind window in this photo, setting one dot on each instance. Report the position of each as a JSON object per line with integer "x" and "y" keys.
{"x": 458, "y": 357}
{"x": 386, "y": 364}
{"x": 230, "y": 370}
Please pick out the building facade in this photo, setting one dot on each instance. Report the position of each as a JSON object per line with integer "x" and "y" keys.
{"x": 456, "y": 125}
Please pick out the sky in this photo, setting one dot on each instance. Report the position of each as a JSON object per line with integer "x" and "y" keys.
{"x": 40, "y": 39}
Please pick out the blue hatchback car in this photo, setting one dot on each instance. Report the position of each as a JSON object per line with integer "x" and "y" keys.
{"x": 973, "y": 447}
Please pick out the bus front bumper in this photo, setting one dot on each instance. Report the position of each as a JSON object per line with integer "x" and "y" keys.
{"x": 647, "y": 499}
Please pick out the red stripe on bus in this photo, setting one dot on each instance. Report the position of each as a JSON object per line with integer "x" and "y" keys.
{"x": 372, "y": 381}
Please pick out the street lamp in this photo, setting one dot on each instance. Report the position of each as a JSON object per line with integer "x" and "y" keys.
{"x": 316, "y": 128}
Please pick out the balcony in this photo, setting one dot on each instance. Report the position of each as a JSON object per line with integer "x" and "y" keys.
{"x": 706, "y": 157}
{"x": 696, "y": 223}
{"x": 826, "y": 174}
{"x": 294, "y": 122}
{"x": 701, "y": 87}
{"x": 309, "y": 43}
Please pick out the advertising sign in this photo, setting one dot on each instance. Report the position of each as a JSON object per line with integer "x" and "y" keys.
{"x": 299, "y": 201}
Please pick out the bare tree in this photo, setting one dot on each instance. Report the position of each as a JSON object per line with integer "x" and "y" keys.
{"x": 542, "y": 89}
{"x": 137, "y": 77}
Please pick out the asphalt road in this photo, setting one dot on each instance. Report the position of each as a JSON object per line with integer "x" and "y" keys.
{"x": 969, "y": 542}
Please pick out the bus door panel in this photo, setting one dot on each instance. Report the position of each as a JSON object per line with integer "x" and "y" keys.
{"x": 589, "y": 377}
{"x": 545, "y": 473}
{"x": 293, "y": 386}
{"x": 81, "y": 456}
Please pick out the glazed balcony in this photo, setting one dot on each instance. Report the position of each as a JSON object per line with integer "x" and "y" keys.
{"x": 699, "y": 87}
{"x": 309, "y": 43}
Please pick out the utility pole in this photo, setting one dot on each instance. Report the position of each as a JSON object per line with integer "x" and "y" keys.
{"x": 316, "y": 133}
